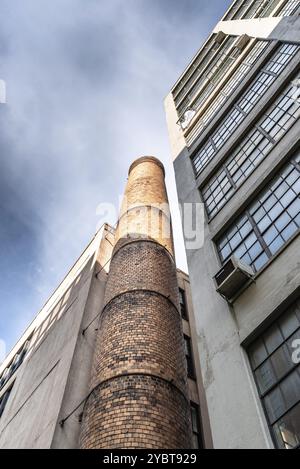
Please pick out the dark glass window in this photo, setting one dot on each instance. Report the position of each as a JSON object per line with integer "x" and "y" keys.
{"x": 183, "y": 306}
{"x": 241, "y": 11}
{"x": 213, "y": 76}
{"x": 214, "y": 58}
{"x": 15, "y": 364}
{"x": 231, "y": 84}
{"x": 196, "y": 427}
{"x": 245, "y": 9}
{"x": 268, "y": 223}
{"x": 277, "y": 377}
{"x": 244, "y": 105}
{"x": 3, "y": 401}
{"x": 257, "y": 144}
{"x": 290, "y": 8}
{"x": 268, "y": 8}
{"x": 202, "y": 58}
{"x": 189, "y": 357}
{"x": 234, "y": 10}
{"x": 261, "y": 8}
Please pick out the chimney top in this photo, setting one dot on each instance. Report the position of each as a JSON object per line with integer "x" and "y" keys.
{"x": 144, "y": 159}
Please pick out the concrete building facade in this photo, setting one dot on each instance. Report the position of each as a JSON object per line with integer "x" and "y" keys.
{"x": 233, "y": 120}
{"x": 108, "y": 362}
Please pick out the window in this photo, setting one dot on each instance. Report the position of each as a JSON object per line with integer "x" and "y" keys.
{"x": 244, "y": 106}
{"x": 242, "y": 10}
{"x": 261, "y": 8}
{"x": 3, "y": 401}
{"x": 255, "y": 8}
{"x": 200, "y": 58}
{"x": 15, "y": 364}
{"x": 268, "y": 8}
{"x": 217, "y": 56}
{"x": 196, "y": 427}
{"x": 290, "y": 8}
{"x": 245, "y": 9}
{"x": 211, "y": 77}
{"x": 229, "y": 88}
{"x": 234, "y": 9}
{"x": 196, "y": 69}
{"x": 255, "y": 146}
{"x": 278, "y": 377}
{"x": 189, "y": 357}
{"x": 268, "y": 223}
{"x": 182, "y": 301}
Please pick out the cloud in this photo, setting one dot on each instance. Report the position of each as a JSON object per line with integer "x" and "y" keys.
{"x": 85, "y": 86}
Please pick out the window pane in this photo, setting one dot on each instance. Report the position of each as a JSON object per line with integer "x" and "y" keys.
{"x": 182, "y": 301}
{"x": 276, "y": 245}
{"x": 194, "y": 420}
{"x": 197, "y": 434}
{"x": 289, "y": 324}
{"x": 258, "y": 353}
{"x": 282, "y": 362}
{"x": 4, "y": 400}
{"x": 275, "y": 405}
{"x": 267, "y": 224}
{"x": 189, "y": 357}
{"x": 291, "y": 341}
{"x": 273, "y": 338}
{"x": 287, "y": 430}
{"x": 278, "y": 377}
{"x": 265, "y": 377}
{"x": 261, "y": 261}
{"x": 284, "y": 397}
{"x": 244, "y": 105}
{"x": 290, "y": 8}
{"x": 276, "y": 121}
{"x": 290, "y": 389}
{"x": 195, "y": 441}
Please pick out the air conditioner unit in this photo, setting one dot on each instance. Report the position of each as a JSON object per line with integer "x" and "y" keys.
{"x": 233, "y": 276}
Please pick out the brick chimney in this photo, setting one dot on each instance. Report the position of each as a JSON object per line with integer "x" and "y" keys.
{"x": 138, "y": 383}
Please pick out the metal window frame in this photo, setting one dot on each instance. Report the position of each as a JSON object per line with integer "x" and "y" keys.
{"x": 227, "y": 59}
{"x": 226, "y": 89}
{"x": 194, "y": 89}
{"x": 247, "y": 140}
{"x": 183, "y": 306}
{"x": 199, "y": 433}
{"x": 233, "y": 8}
{"x": 11, "y": 369}
{"x": 239, "y": 12}
{"x": 278, "y": 382}
{"x": 286, "y": 6}
{"x": 250, "y": 218}
{"x": 5, "y": 398}
{"x": 196, "y": 161}
{"x": 191, "y": 68}
{"x": 191, "y": 370}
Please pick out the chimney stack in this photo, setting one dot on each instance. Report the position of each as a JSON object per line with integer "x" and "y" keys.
{"x": 138, "y": 385}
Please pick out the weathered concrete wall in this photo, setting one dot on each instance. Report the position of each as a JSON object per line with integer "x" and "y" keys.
{"x": 54, "y": 376}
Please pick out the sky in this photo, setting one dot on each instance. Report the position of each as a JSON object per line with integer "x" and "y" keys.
{"x": 86, "y": 80}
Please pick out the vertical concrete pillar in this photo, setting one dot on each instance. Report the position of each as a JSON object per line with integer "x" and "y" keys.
{"x": 139, "y": 390}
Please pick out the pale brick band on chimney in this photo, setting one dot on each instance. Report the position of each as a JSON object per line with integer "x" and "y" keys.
{"x": 139, "y": 397}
